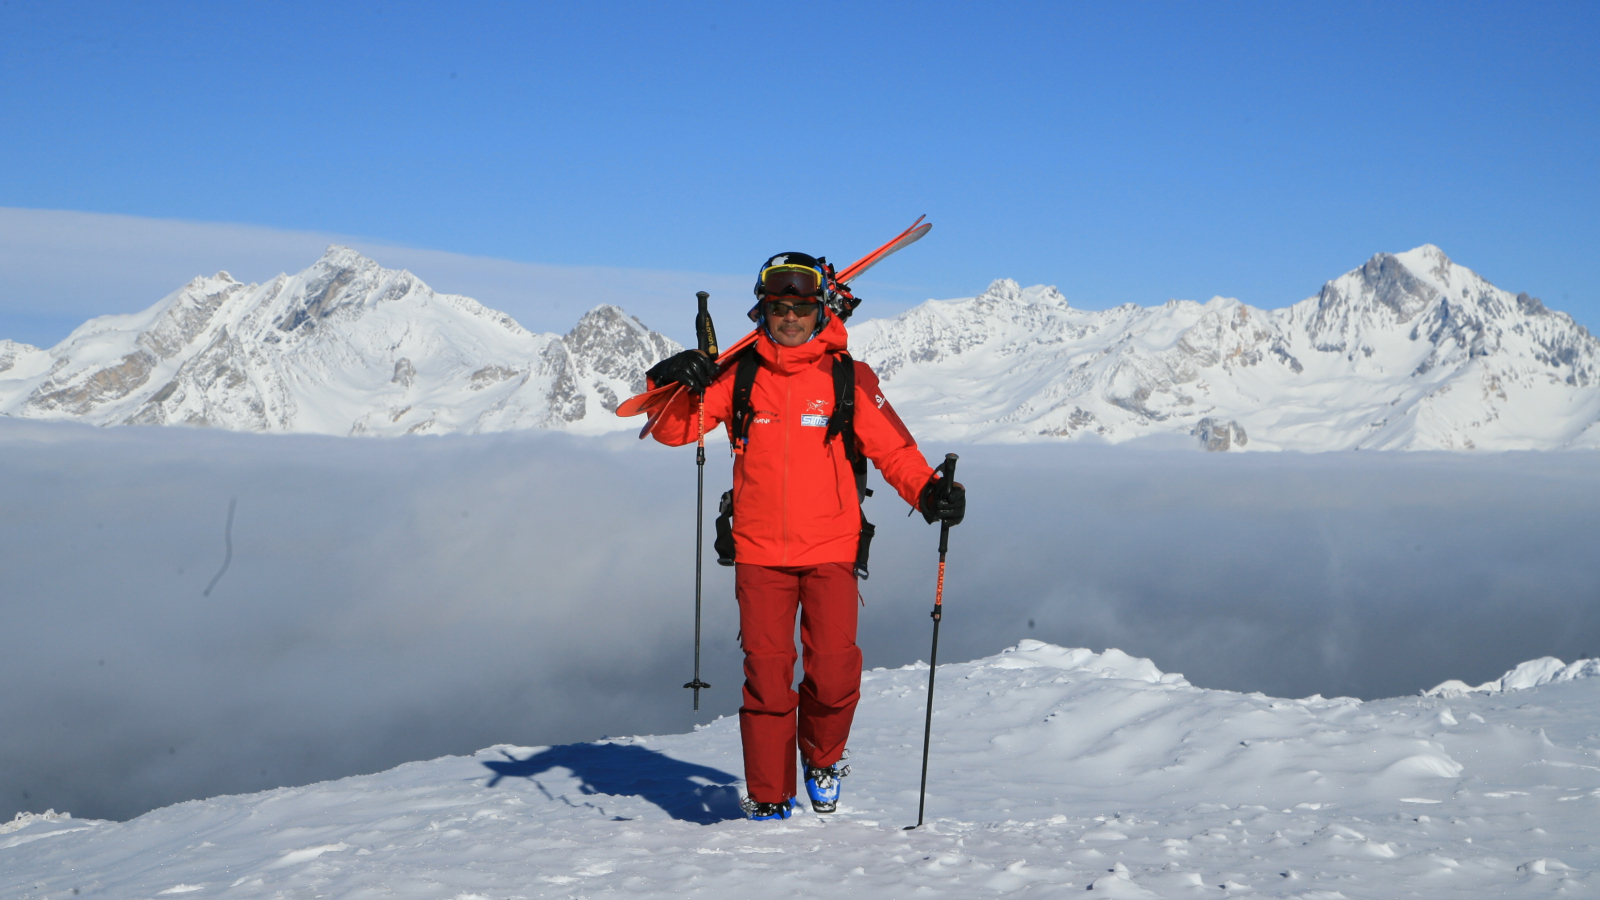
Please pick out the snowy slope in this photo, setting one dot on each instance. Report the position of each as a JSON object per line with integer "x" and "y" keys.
{"x": 21, "y": 360}
{"x": 344, "y": 347}
{"x": 1052, "y": 770}
{"x": 1410, "y": 351}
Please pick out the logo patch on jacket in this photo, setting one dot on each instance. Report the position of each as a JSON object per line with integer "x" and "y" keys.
{"x": 816, "y": 415}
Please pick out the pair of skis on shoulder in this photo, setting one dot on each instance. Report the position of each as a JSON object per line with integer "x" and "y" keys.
{"x": 654, "y": 403}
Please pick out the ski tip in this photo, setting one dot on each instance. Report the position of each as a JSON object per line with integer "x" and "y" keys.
{"x": 911, "y": 236}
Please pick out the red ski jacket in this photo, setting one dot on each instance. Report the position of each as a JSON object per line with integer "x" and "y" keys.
{"x": 794, "y": 496}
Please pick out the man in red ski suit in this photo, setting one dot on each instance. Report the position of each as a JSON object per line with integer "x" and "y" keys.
{"x": 796, "y": 525}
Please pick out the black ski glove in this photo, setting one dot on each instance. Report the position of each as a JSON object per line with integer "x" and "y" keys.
{"x": 691, "y": 368}
{"x": 935, "y": 505}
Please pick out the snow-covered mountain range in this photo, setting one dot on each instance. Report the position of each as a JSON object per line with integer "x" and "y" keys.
{"x": 344, "y": 347}
{"x": 1409, "y": 351}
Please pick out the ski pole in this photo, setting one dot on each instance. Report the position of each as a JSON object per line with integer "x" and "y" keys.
{"x": 948, "y": 467}
{"x": 707, "y": 336}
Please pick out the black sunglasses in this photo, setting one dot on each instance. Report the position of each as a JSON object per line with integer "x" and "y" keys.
{"x": 778, "y": 309}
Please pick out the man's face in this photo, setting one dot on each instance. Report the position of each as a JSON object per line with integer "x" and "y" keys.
{"x": 790, "y": 329}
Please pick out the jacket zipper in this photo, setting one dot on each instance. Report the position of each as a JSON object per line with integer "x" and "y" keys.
{"x": 788, "y": 424}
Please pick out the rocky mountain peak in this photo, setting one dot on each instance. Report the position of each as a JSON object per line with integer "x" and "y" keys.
{"x": 1394, "y": 291}
{"x": 342, "y": 278}
{"x": 602, "y": 326}
{"x": 338, "y": 256}
{"x": 1409, "y": 350}
{"x": 344, "y": 346}
{"x": 1426, "y": 260}
{"x": 1002, "y": 290}
{"x": 1007, "y": 292}
{"x": 618, "y": 346}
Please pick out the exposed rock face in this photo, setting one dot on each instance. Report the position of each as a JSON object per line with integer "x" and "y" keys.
{"x": 344, "y": 347}
{"x": 1219, "y": 434}
{"x": 1409, "y": 351}
{"x": 78, "y": 392}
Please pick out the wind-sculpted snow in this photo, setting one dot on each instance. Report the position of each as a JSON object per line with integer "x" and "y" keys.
{"x": 344, "y": 347}
{"x": 1533, "y": 673}
{"x": 1052, "y": 770}
{"x": 1410, "y": 351}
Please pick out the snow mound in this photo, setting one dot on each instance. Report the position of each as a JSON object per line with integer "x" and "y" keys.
{"x": 1531, "y": 674}
{"x": 24, "y": 819}
{"x": 1111, "y": 664}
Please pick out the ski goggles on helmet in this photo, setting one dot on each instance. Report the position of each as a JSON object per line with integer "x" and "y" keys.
{"x": 777, "y": 309}
{"x": 791, "y": 281}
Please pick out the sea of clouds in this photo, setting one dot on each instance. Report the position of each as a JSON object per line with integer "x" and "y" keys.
{"x": 392, "y": 600}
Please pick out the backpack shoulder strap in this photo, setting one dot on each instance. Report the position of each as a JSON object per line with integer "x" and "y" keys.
{"x": 843, "y": 420}
{"x": 744, "y": 380}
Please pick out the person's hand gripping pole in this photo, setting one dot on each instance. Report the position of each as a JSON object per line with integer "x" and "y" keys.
{"x": 706, "y": 336}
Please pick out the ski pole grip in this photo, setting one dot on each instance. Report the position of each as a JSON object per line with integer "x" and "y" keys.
{"x": 705, "y": 332}
{"x": 948, "y": 480}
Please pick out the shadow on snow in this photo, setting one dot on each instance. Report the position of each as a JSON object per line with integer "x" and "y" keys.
{"x": 685, "y": 791}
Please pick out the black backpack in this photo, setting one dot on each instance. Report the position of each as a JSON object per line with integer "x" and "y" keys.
{"x": 841, "y": 423}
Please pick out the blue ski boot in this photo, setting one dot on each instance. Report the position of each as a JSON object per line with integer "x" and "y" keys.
{"x": 766, "y": 812}
{"x": 823, "y": 786}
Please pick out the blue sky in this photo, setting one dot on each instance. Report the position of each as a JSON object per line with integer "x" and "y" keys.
{"x": 1125, "y": 152}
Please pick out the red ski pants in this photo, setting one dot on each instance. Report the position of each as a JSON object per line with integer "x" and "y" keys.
{"x": 825, "y": 596}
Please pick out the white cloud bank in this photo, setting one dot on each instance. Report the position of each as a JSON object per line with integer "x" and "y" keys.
{"x": 397, "y": 600}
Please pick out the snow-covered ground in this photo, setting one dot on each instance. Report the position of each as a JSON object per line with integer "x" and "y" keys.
{"x": 1052, "y": 770}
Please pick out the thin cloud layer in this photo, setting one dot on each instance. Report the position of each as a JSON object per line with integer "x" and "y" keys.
{"x": 60, "y": 268}
{"x": 397, "y": 600}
